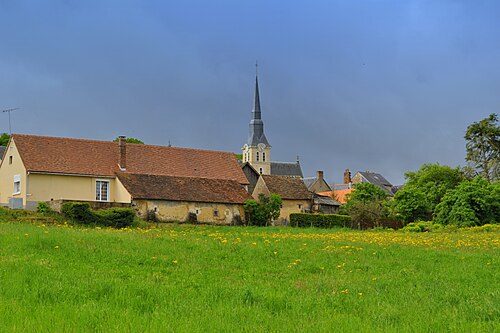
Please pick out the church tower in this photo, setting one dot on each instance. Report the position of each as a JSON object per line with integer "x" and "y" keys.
{"x": 257, "y": 150}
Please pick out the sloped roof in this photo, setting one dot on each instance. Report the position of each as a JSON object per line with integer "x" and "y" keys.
{"x": 286, "y": 169}
{"x": 2, "y": 150}
{"x": 310, "y": 181}
{"x": 325, "y": 200}
{"x": 156, "y": 187}
{"x": 100, "y": 158}
{"x": 339, "y": 195}
{"x": 377, "y": 179}
{"x": 287, "y": 187}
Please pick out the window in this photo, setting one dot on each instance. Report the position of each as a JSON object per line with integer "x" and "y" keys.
{"x": 102, "y": 190}
{"x": 300, "y": 206}
{"x": 216, "y": 212}
{"x": 263, "y": 157}
{"x": 17, "y": 184}
{"x": 257, "y": 156}
{"x": 10, "y": 159}
{"x": 260, "y": 170}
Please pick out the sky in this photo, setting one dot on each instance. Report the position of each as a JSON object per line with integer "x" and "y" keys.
{"x": 368, "y": 85}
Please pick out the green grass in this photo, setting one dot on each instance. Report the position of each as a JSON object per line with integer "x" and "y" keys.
{"x": 222, "y": 279}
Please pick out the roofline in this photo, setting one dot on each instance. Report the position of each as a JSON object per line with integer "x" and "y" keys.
{"x": 163, "y": 199}
{"x": 67, "y": 174}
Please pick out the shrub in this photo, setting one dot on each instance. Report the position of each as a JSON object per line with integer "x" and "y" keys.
{"x": 43, "y": 207}
{"x": 115, "y": 217}
{"x": 79, "y": 212}
{"x": 304, "y": 220}
{"x": 422, "y": 226}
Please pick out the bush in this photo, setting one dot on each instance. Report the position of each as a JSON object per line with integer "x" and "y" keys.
{"x": 115, "y": 217}
{"x": 422, "y": 226}
{"x": 43, "y": 207}
{"x": 80, "y": 212}
{"x": 304, "y": 220}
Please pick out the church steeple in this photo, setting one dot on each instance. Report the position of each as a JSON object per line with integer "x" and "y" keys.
{"x": 256, "y": 130}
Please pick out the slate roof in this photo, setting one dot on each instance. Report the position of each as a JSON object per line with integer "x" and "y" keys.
{"x": 325, "y": 200}
{"x": 286, "y": 169}
{"x": 100, "y": 158}
{"x": 2, "y": 150}
{"x": 156, "y": 187}
{"x": 291, "y": 188}
{"x": 377, "y": 179}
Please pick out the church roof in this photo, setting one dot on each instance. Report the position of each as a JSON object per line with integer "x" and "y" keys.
{"x": 286, "y": 169}
{"x": 256, "y": 129}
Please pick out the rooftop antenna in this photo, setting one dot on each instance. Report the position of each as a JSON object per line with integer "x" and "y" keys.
{"x": 9, "y": 111}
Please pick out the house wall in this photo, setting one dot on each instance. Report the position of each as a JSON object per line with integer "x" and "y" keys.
{"x": 7, "y": 172}
{"x": 179, "y": 211}
{"x": 292, "y": 206}
{"x": 319, "y": 185}
{"x": 46, "y": 187}
{"x": 357, "y": 178}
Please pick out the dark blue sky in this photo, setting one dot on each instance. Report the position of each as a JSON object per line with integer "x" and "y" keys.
{"x": 367, "y": 85}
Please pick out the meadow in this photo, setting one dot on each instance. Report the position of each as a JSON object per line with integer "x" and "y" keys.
{"x": 182, "y": 278}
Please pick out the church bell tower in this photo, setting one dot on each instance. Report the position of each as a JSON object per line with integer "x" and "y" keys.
{"x": 257, "y": 150}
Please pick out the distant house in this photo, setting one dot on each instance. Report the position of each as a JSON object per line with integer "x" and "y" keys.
{"x": 294, "y": 195}
{"x": 324, "y": 204}
{"x": 375, "y": 179}
{"x": 38, "y": 168}
{"x": 317, "y": 184}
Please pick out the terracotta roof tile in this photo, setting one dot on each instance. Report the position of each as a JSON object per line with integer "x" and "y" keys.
{"x": 172, "y": 188}
{"x": 287, "y": 187}
{"x": 339, "y": 195}
{"x": 91, "y": 157}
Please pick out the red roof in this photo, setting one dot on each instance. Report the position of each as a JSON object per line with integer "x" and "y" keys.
{"x": 171, "y": 188}
{"x": 339, "y": 195}
{"x": 101, "y": 158}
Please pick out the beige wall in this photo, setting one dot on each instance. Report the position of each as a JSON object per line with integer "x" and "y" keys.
{"x": 179, "y": 210}
{"x": 252, "y": 159}
{"x": 7, "y": 172}
{"x": 292, "y": 206}
{"x": 319, "y": 185}
{"x": 357, "y": 178}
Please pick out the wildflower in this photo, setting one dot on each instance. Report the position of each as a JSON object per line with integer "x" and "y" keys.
{"x": 174, "y": 262}
{"x": 56, "y": 247}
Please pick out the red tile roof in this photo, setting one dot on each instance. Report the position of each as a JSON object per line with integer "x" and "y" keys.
{"x": 100, "y": 158}
{"x": 339, "y": 195}
{"x": 154, "y": 187}
{"x": 287, "y": 187}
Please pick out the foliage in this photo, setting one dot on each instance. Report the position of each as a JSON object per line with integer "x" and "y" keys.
{"x": 422, "y": 226}
{"x": 471, "y": 203}
{"x": 483, "y": 147}
{"x": 239, "y": 156}
{"x": 367, "y": 205}
{"x": 130, "y": 140}
{"x": 115, "y": 217}
{"x": 43, "y": 207}
{"x": 424, "y": 189}
{"x": 305, "y": 220}
{"x": 262, "y": 212}
{"x": 81, "y": 213}
{"x": 4, "y": 139}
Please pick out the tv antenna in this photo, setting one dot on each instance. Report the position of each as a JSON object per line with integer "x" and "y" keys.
{"x": 9, "y": 111}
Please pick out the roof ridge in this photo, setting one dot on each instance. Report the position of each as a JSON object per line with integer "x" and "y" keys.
{"x": 173, "y": 176}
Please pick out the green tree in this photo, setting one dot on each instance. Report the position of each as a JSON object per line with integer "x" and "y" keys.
{"x": 483, "y": 147}
{"x": 471, "y": 203}
{"x": 4, "y": 139}
{"x": 264, "y": 211}
{"x": 367, "y": 205}
{"x": 130, "y": 140}
{"x": 424, "y": 190}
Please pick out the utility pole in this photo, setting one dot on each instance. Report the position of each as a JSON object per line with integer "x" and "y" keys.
{"x": 9, "y": 111}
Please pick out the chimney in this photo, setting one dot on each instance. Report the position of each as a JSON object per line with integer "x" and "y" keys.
{"x": 347, "y": 176}
{"x": 122, "y": 144}
{"x": 319, "y": 174}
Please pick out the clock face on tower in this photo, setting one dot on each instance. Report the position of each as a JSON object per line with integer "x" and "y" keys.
{"x": 261, "y": 146}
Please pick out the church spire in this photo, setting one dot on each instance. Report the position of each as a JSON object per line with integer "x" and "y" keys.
{"x": 256, "y": 130}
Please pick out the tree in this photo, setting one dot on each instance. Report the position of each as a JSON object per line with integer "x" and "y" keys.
{"x": 483, "y": 147}
{"x": 367, "y": 205}
{"x": 130, "y": 140}
{"x": 262, "y": 212}
{"x": 424, "y": 190}
{"x": 471, "y": 203}
{"x": 4, "y": 139}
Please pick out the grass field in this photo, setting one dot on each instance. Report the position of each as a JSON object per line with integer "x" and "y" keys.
{"x": 217, "y": 279}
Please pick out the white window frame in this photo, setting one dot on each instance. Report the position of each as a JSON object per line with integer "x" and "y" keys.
{"x": 98, "y": 190}
{"x": 17, "y": 184}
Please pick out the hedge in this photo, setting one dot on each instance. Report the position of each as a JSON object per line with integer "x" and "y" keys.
{"x": 81, "y": 213}
{"x": 304, "y": 220}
